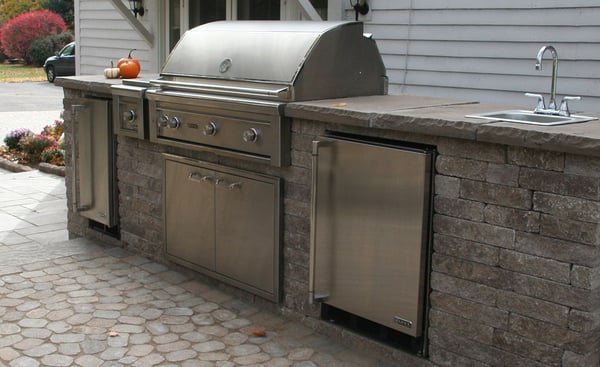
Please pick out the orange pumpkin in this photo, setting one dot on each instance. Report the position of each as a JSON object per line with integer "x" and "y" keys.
{"x": 129, "y": 67}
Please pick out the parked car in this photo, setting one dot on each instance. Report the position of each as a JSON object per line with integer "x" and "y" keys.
{"x": 61, "y": 64}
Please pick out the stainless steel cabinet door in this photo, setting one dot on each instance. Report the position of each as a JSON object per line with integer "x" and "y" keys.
{"x": 189, "y": 214}
{"x": 370, "y": 209}
{"x": 246, "y": 230}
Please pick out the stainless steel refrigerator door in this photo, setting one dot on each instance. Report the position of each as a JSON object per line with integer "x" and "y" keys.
{"x": 369, "y": 215}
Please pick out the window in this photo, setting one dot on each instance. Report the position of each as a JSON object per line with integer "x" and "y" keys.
{"x": 186, "y": 14}
{"x": 258, "y": 9}
{"x": 201, "y": 12}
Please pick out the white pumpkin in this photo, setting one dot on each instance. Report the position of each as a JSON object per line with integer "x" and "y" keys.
{"x": 112, "y": 72}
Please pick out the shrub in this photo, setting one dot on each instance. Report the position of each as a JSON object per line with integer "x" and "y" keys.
{"x": 55, "y": 131}
{"x": 39, "y": 51}
{"x": 12, "y": 138}
{"x": 53, "y": 155}
{"x": 61, "y": 39}
{"x": 44, "y": 47}
{"x": 18, "y": 33}
{"x": 32, "y": 146}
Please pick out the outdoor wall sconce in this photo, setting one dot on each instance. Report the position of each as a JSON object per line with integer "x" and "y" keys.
{"x": 137, "y": 7}
{"x": 361, "y": 7}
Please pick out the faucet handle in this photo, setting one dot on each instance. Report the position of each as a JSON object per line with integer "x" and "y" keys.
{"x": 540, "y": 101}
{"x": 564, "y": 106}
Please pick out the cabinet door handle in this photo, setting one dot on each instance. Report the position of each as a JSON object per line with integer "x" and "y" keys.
{"x": 198, "y": 177}
{"x": 228, "y": 185}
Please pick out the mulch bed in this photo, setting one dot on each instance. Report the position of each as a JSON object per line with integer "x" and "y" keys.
{"x": 14, "y": 162}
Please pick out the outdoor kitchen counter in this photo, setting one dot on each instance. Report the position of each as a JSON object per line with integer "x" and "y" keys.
{"x": 445, "y": 118}
{"x": 415, "y": 114}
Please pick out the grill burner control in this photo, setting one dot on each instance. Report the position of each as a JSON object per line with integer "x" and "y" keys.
{"x": 251, "y": 135}
{"x": 129, "y": 116}
{"x": 174, "y": 123}
{"x": 163, "y": 121}
{"x": 210, "y": 129}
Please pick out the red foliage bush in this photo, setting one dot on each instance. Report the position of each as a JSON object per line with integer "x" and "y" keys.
{"x": 17, "y": 34}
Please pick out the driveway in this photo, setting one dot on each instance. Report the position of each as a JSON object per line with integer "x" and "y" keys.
{"x": 31, "y": 105}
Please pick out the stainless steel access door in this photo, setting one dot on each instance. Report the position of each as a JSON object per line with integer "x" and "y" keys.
{"x": 190, "y": 214}
{"x": 93, "y": 160}
{"x": 369, "y": 230}
{"x": 246, "y": 225}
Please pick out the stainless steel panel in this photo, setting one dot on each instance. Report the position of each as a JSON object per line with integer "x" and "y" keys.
{"x": 245, "y": 228}
{"x": 190, "y": 213}
{"x": 370, "y": 205}
{"x": 93, "y": 163}
{"x": 231, "y": 121}
{"x": 226, "y": 133}
{"x": 130, "y": 110}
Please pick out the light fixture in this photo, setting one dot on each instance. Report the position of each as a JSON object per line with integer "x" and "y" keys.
{"x": 137, "y": 7}
{"x": 361, "y": 7}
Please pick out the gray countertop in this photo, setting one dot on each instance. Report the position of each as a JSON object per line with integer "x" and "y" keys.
{"x": 446, "y": 117}
{"x": 416, "y": 114}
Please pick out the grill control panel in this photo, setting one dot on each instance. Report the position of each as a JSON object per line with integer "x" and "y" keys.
{"x": 254, "y": 133}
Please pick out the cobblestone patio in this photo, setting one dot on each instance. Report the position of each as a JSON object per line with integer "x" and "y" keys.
{"x": 77, "y": 303}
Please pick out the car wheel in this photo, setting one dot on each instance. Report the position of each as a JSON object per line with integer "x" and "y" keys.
{"x": 50, "y": 74}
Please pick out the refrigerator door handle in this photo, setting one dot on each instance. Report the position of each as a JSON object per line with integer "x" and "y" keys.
{"x": 316, "y": 274}
{"x": 83, "y": 168}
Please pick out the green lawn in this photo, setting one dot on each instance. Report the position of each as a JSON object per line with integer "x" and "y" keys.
{"x": 14, "y": 73}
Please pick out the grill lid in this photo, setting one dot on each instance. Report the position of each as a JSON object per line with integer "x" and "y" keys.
{"x": 317, "y": 59}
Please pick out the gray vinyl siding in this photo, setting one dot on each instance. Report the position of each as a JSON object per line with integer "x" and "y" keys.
{"x": 485, "y": 50}
{"x": 104, "y": 36}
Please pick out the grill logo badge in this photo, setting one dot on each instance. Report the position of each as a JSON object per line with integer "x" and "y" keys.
{"x": 404, "y": 322}
{"x": 225, "y": 65}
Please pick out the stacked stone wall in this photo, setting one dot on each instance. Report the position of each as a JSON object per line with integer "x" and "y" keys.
{"x": 515, "y": 263}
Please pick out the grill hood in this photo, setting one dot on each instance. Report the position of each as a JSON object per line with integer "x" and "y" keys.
{"x": 281, "y": 60}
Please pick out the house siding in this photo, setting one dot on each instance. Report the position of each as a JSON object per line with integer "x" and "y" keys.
{"x": 485, "y": 51}
{"x": 104, "y": 35}
{"x": 465, "y": 49}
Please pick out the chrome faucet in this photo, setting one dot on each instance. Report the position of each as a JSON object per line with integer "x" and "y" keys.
{"x": 538, "y": 66}
{"x": 552, "y": 109}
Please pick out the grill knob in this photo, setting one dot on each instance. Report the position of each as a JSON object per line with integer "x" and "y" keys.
{"x": 210, "y": 129}
{"x": 251, "y": 135}
{"x": 163, "y": 121}
{"x": 174, "y": 123}
{"x": 129, "y": 116}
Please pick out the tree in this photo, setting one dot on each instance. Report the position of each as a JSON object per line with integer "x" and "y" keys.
{"x": 17, "y": 34}
{"x": 12, "y": 8}
{"x": 64, "y": 8}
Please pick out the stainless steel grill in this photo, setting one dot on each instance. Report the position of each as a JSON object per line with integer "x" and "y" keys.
{"x": 224, "y": 86}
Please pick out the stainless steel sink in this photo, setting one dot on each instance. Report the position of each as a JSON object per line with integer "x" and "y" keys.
{"x": 529, "y": 117}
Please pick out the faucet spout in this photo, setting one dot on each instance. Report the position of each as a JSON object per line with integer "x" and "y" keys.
{"x": 538, "y": 66}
